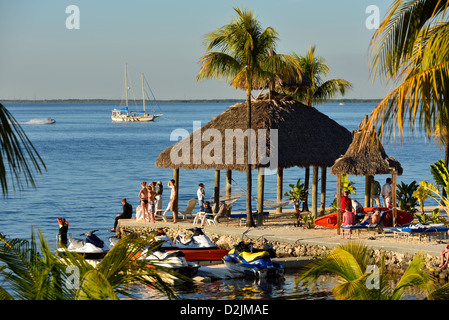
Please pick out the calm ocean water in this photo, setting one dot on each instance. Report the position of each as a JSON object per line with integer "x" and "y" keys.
{"x": 93, "y": 163}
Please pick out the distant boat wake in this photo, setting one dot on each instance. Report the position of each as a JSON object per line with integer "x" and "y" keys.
{"x": 39, "y": 121}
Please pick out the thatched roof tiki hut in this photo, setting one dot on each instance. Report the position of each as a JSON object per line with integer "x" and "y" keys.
{"x": 286, "y": 134}
{"x": 366, "y": 159}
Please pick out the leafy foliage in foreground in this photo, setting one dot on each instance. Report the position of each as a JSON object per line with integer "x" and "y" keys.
{"x": 353, "y": 264}
{"x": 33, "y": 272}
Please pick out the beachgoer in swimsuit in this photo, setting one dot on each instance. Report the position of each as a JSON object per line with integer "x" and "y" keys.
{"x": 159, "y": 192}
{"x": 143, "y": 196}
{"x": 151, "y": 201}
{"x": 173, "y": 197}
{"x": 444, "y": 259}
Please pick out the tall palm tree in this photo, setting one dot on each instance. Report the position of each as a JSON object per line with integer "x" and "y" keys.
{"x": 243, "y": 52}
{"x": 410, "y": 50}
{"x": 353, "y": 265}
{"x": 321, "y": 91}
{"x": 31, "y": 271}
{"x": 18, "y": 157}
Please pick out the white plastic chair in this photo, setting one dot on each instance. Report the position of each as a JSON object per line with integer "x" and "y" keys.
{"x": 216, "y": 216}
{"x": 184, "y": 213}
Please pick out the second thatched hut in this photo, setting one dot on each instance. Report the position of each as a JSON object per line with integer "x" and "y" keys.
{"x": 366, "y": 159}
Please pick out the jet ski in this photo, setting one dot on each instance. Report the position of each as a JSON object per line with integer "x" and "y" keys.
{"x": 196, "y": 246}
{"x": 174, "y": 260}
{"x": 91, "y": 247}
{"x": 246, "y": 259}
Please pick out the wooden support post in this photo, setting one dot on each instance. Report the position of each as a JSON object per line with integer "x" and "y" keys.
{"x": 393, "y": 199}
{"x": 260, "y": 191}
{"x": 217, "y": 191}
{"x": 338, "y": 202}
{"x": 367, "y": 191}
{"x": 279, "y": 188}
{"x": 315, "y": 192}
{"x": 228, "y": 185}
{"x": 323, "y": 191}
{"x": 176, "y": 178}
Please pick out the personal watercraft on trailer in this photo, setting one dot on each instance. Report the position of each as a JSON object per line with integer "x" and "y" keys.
{"x": 174, "y": 260}
{"x": 195, "y": 246}
{"x": 246, "y": 259}
{"x": 91, "y": 248}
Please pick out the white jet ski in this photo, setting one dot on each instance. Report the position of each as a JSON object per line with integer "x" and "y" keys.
{"x": 174, "y": 260}
{"x": 91, "y": 248}
{"x": 195, "y": 246}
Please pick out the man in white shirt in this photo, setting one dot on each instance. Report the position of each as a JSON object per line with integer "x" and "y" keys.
{"x": 201, "y": 193}
{"x": 387, "y": 193}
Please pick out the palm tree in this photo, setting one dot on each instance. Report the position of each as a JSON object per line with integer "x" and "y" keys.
{"x": 33, "y": 272}
{"x": 245, "y": 54}
{"x": 18, "y": 157}
{"x": 321, "y": 91}
{"x": 353, "y": 265}
{"x": 410, "y": 49}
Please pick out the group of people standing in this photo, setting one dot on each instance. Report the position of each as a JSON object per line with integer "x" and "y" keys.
{"x": 386, "y": 191}
{"x": 150, "y": 200}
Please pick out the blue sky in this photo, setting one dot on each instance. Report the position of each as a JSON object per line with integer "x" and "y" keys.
{"x": 43, "y": 59}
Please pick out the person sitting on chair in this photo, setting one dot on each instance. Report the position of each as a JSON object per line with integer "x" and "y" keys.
{"x": 373, "y": 218}
{"x": 207, "y": 212}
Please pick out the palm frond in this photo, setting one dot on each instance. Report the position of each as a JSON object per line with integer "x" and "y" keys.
{"x": 218, "y": 65}
{"x": 416, "y": 101}
{"x": 395, "y": 40}
{"x": 330, "y": 89}
{"x": 415, "y": 276}
{"x": 316, "y": 68}
{"x": 18, "y": 157}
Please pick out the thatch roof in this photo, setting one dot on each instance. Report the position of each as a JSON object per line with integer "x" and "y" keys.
{"x": 306, "y": 137}
{"x": 364, "y": 160}
{"x": 288, "y": 81}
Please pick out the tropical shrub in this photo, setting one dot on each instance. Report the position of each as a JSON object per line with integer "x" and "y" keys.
{"x": 298, "y": 194}
{"x": 405, "y": 195}
{"x": 363, "y": 277}
{"x": 421, "y": 194}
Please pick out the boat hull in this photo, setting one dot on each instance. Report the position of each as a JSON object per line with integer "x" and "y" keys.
{"x": 85, "y": 255}
{"x": 132, "y": 118}
{"x": 402, "y": 217}
{"x": 201, "y": 254}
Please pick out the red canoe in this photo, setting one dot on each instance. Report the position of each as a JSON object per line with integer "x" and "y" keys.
{"x": 402, "y": 217}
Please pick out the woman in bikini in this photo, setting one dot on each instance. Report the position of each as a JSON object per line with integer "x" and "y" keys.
{"x": 151, "y": 201}
{"x": 143, "y": 196}
{"x": 173, "y": 196}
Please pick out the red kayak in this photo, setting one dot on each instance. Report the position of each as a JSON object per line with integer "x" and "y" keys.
{"x": 402, "y": 217}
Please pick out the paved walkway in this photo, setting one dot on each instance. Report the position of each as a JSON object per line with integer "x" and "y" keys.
{"x": 318, "y": 236}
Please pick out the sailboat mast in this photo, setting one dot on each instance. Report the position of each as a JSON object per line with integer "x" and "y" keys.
{"x": 126, "y": 83}
{"x": 143, "y": 95}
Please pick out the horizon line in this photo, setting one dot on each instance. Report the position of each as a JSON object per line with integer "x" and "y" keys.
{"x": 102, "y": 100}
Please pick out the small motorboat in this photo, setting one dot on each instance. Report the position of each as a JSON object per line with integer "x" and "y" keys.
{"x": 196, "y": 246}
{"x": 174, "y": 260}
{"x": 91, "y": 247}
{"x": 246, "y": 259}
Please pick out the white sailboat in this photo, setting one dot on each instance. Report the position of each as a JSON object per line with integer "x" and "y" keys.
{"x": 125, "y": 115}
